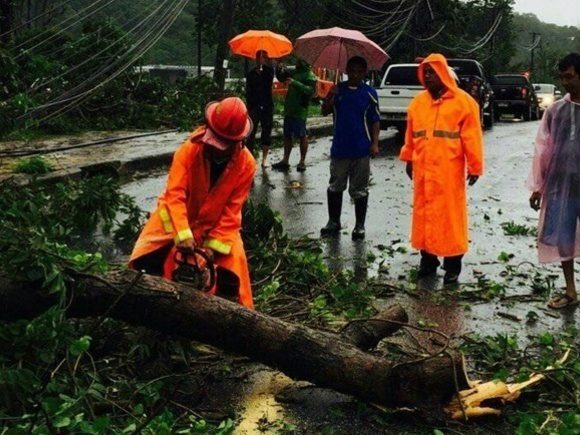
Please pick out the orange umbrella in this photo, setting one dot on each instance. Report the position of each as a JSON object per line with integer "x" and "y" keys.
{"x": 249, "y": 43}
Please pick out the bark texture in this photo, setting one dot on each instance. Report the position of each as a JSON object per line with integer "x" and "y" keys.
{"x": 323, "y": 358}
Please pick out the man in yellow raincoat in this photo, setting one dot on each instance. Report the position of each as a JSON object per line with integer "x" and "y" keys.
{"x": 443, "y": 147}
{"x": 209, "y": 181}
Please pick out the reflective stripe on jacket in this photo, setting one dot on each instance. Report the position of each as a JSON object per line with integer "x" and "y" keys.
{"x": 442, "y": 136}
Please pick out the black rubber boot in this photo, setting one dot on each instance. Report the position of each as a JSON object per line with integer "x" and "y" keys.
{"x": 452, "y": 266}
{"x": 429, "y": 264}
{"x": 360, "y": 211}
{"x": 332, "y": 228}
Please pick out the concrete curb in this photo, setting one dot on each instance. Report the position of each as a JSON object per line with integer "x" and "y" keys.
{"x": 124, "y": 168}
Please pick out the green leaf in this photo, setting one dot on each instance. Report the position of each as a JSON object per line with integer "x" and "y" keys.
{"x": 501, "y": 374}
{"x": 546, "y": 339}
{"x": 130, "y": 428}
{"x": 79, "y": 346}
{"x": 61, "y": 421}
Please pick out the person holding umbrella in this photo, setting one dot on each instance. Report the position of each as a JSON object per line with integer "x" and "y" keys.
{"x": 356, "y": 138}
{"x": 301, "y": 86}
{"x": 261, "y": 45}
{"x": 260, "y": 103}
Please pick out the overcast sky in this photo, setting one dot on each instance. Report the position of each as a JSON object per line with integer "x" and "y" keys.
{"x": 561, "y": 12}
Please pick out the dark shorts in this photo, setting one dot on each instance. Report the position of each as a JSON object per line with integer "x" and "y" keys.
{"x": 561, "y": 223}
{"x": 355, "y": 172}
{"x": 294, "y": 127}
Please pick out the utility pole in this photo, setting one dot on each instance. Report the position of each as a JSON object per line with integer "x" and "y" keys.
{"x": 225, "y": 31}
{"x": 534, "y": 34}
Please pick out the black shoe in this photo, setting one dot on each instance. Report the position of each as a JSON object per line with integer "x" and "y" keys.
{"x": 281, "y": 166}
{"x": 450, "y": 278}
{"x": 428, "y": 265}
{"x": 358, "y": 233}
{"x": 331, "y": 229}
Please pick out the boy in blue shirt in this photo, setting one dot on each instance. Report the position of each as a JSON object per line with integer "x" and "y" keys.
{"x": 356, "y": 139}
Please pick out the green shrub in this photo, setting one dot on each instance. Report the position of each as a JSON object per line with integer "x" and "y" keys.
{"x": 34, "y": 165}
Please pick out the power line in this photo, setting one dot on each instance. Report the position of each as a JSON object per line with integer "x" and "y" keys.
{"x": 119, "y": 56}
{"x": 479, "y": 44}
{"x": 60, "y": 30}
{"x": 96, "y": 55}
{"x": 160, "y": 27}
{"x": 115, "y": 18}
{"x": 26, "y": 23}
{"x": 429, "y": 38}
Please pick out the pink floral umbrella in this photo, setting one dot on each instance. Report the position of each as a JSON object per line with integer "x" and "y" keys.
{"x": 331, "y": 48}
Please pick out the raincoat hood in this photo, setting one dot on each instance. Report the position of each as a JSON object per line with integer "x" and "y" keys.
{"x": 439, "y": 63}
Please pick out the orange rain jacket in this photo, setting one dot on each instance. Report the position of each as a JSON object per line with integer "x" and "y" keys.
{"x": 442, "y": 135}
{"x": 188, "y": 208}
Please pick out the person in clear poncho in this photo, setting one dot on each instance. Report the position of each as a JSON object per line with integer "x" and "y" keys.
{"x": 555, "y": 180}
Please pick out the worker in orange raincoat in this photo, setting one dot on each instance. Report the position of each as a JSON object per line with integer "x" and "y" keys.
{"x": 209, "y": 181}
{"x": 443, "y": 135}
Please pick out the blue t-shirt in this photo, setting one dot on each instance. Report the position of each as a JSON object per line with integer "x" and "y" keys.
{"x": 355, "y": 110}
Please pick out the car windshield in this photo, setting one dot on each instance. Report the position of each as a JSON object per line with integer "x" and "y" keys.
{"x": 510, "y": 80}
{"x": 544, "y": 89}
{"x": 464, "y": 67}
{"x": 403, "y": 76}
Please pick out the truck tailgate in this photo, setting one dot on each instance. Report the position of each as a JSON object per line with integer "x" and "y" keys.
{"x": 508, "y": 92}
{"x": 396, "y": 99}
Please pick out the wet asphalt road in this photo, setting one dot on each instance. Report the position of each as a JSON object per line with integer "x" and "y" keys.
{"x": 499, "y": 196}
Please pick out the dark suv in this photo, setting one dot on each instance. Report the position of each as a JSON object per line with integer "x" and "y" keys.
{"x": 515, "y": 94}
{"x": 473, "y": 80}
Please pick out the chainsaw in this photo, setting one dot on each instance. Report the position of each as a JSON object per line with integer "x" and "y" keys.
{"x": 192, "y": 267}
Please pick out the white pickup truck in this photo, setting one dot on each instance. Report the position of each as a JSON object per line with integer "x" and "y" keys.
{"x": 399, "y": 86}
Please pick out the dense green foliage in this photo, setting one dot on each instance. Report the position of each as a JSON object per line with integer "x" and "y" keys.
{"x": 66, "y": 71}
{"x": 554, "y": 43}
{"x": 40, "y": 84}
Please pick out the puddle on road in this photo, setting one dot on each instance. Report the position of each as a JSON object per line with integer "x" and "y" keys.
{"x": 258, "y": 403}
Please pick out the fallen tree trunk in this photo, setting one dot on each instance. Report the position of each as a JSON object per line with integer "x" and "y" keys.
{"x": 323, "y": 358}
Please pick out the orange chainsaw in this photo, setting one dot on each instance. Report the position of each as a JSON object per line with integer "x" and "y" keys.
{"x": 192, "y": 268}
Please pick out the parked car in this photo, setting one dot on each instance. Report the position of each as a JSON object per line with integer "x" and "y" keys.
{"x": 514, "y": 94}
{"x": 399, "y": 86}
{"x": 401, "y": 83}
{"x": 546, "y": 94}
{"x": 474, "y": 80}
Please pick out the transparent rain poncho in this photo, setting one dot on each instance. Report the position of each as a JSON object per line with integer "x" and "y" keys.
{"x": 556, "y": 174}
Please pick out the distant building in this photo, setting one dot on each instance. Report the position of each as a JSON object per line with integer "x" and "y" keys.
{"x": 172, "y": 73}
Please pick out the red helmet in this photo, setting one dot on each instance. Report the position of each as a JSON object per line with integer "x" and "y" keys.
{"x": 227, "y": 119}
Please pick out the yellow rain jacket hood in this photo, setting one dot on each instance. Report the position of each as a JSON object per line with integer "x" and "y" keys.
{"x": 444, "y": 142}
